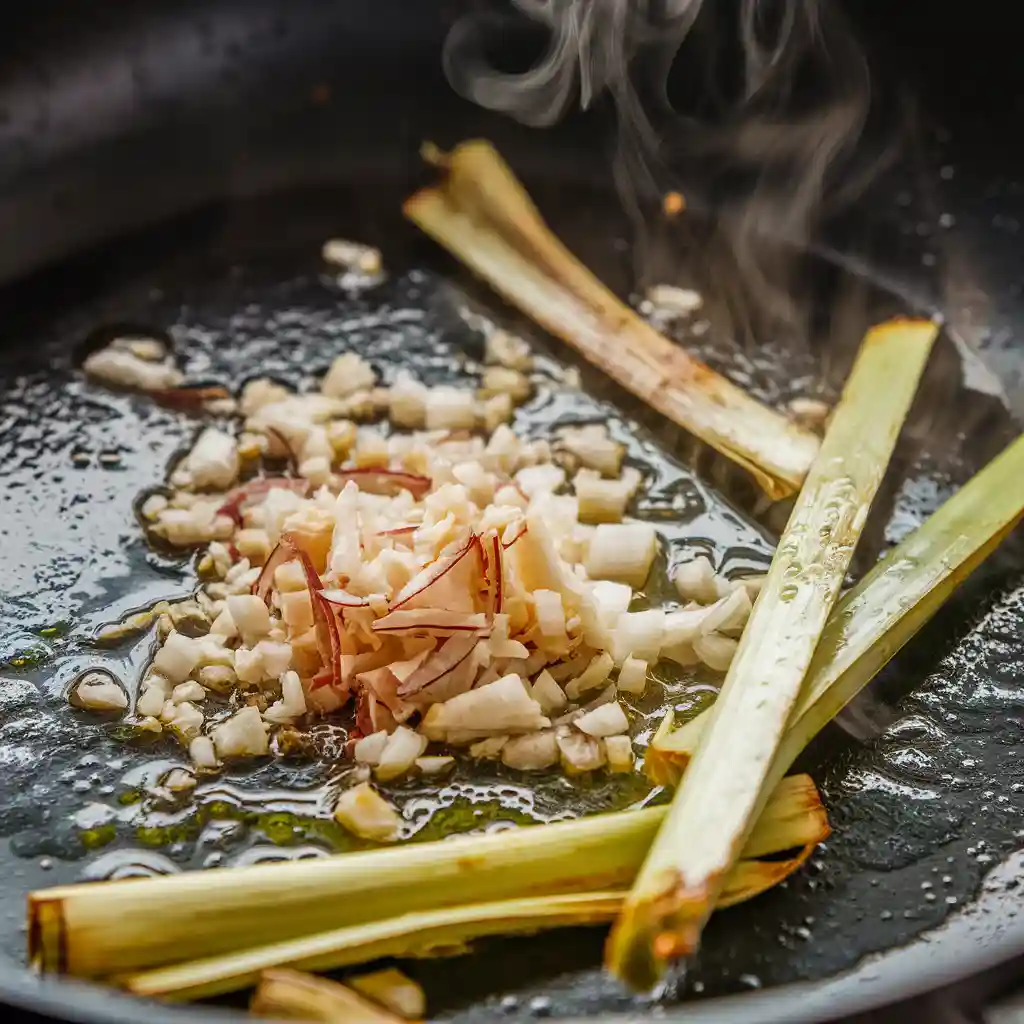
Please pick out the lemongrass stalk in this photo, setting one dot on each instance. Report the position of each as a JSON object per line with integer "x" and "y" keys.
{"x": 796, "y": 822}
{"x": 95, "y": 929}
{"x": 292, "y": 995}
{"x": 482, "y": 214}
{"x": 872, "y": 623}
{"x": 720, "y": 796}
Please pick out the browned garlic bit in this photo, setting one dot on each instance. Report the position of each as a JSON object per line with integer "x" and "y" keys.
{"x": 460, "y": 586}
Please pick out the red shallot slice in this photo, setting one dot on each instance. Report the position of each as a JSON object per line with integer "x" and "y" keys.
{"x": 384, "y": 481}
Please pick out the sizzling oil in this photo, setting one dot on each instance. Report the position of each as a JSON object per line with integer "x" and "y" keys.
{"x": 80, "y": 798}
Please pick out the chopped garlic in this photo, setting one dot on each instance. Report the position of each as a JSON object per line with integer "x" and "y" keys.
{"x": 365, "y": 813}
{"x": 633, "y": 676}
{"x": 668, "y": 300}
{"x": 177, "y": 658}
{"x": 201, "y": 750}
{"x": 179, "y": 780}
{"x": 450, "y": 409}
{"x": 500, "y": 380}
{"x": 353, "y": 256}
{"x": 98, "y": 691}
{"x": 435, "y": 765}
{"x": 531, "y": 752}
{"x": 407, "y": 402}
{"x": 213, "y": 461}
{"x": 503, "y": 706}
{"x": 241, "y": 735}
{"x": 187, "y": 691}
{"x": 292, "y": 704}
{"x": 507, "y": 350}
{"x": 250, "y": 616}
{"x": 125, "y": 369}
{"x": 186, "y": 719}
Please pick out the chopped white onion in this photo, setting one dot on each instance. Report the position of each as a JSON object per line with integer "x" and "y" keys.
{"x": 623, "y": 552}
{"x": 241, "y": 735}
{"x": 532, "y": 752}
{"x": 605, "y": 720}
{"x": 365, "y": 813}
{"x": 633, "y": 676}
{"x": 400, "y": 753}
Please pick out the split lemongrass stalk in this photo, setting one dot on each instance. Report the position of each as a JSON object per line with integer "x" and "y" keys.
{"x": 483, "y": 215}
{"x": 292, "y": 995}
{"x": 94, "y": 930}
{"x": 883, "y": 612}
{"x": 722, "y": 791}
{"x": 793, "y": 821}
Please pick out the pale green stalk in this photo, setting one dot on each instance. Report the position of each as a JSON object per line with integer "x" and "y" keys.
{"x": 887, "y": 607}
{"x": 720, "y": 795}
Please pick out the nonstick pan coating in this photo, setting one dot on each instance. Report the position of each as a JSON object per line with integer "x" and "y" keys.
{"x": 920, "y": 815}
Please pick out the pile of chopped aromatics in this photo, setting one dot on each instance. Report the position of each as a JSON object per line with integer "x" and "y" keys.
{"x": 461, "y": 586}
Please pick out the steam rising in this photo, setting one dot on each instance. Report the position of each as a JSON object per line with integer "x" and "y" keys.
{"x": 758, "y": 104}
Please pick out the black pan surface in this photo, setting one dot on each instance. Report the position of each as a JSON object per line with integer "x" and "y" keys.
{"x": 922, "y": 811}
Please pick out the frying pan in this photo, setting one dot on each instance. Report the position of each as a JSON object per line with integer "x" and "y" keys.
{"x": 177, "y": 166}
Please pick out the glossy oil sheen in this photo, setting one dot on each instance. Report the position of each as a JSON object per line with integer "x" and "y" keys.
{"x": 920, "y": 812}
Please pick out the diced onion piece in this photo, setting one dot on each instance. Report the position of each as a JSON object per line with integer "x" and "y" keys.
{"x": 728, "y": 614}
{"x": 369, "y": 748}
{"x": 592, "y": 676}
{"x": 633, "y": 676}
{"x": 623, "y": 552}
{"x": 348, "y": 374}
{"x": 605, "y": 720}
{"x": 594, "y": 449}
{"x": 619, "y": 751}
{"x": 365, "y": 813}
{"x": 548, "y": 694}
{"x": 176, "y": 659}
{"x": 550, "y": 613}
{"x": 435, "y": 764}
{"x": 609, "y": 601}
{"x": 543, "y": 479}
{"x": 601, "y": 500}
{"x": 696, "y": 580}
{"x": 683, "y": 626}
{"x": 242, "y": 735}
{"x": 579, "y": 752}
{"x": 450, "y": 409}
{"x": 715, "y": 650}
{"x": 503, "y": 706}
{"x": 393, "y": 990}
{"x": 186, "y": 720}
{"x": 532, "y": 752}
{"x": 401, "y": 751}
{"x": 250, "y": 616}
{"x": 639, "y": 635}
